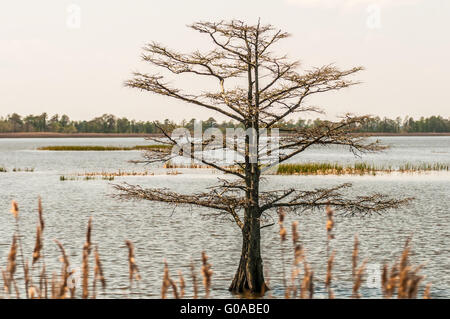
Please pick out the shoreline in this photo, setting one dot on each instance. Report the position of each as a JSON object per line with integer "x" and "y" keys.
{"x": 131, "y": 135}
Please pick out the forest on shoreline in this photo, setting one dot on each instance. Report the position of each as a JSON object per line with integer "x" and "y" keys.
{"x": 110, "y": 124}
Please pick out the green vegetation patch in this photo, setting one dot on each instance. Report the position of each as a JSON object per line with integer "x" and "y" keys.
{"x": 356, "y": 168}
{"x": 103, "y": 148}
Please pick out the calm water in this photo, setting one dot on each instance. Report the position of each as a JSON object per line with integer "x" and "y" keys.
{"x": 179, "y": 236}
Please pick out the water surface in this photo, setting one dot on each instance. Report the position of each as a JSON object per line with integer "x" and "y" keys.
{"x": 158, "y": 231}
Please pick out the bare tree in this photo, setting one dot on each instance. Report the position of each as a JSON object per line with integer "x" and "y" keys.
{"x": 258, "y": 89}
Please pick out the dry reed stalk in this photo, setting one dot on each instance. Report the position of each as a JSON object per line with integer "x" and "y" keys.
{"x": 329, "y": 228}
{"x": 392, "y": 281}
{"x": 27, "y": 278}
{"x": 6, "y": 286}
{"x": 15, "y": 212}
{"x": 384, "y": 281}
{"x": 283, "y": 234}
{"x": 15, "y": 209}
{"x": 38, "y": 245}
{"x": 85, "y": 272}
{"x": 38, "y": 253}
{"x": 62, "y": 287}
{"x": 12, "y": 263}
{"x": 307, "y": 286}
{"x": 133, "y": 268}
{"x": 54, "y": 287}
{"x": 427, "y": 291}
{"x": 85, "y": 262}
{"x": 182, "y": 285}
{"x": 358, "y": 280}
{"x": 43, "y": 283}
{"x": 98, "y": 273}
{"x": 194, "y": 280}
{"x": 355, "y": 256}
{"x": 298, "y": 255}
{"x": 207, "y": 274}
{"x": 32, "y": 292}
{"x": 41, "y": 215}
{"x": 166, "y": 281}
{"x": 174, "y": 289}
{"x": 295, "y": 236}
{"x": 329, "y": 276}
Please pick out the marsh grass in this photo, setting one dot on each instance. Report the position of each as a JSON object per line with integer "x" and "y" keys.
{"x": 401, "y": 279}
{"x": 103, "y": 148}
{"x": 15, "y": 169}
{"x": 26, "y": 169}
{"x": 359, "y": 168}
{"x": 64, "y": 178}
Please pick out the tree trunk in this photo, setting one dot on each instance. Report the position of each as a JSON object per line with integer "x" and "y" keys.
{"x": 249, "y": 277}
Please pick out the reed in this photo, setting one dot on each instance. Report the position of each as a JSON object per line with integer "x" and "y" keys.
{"x": 26, "y": 169}
{"x": 402, "y": 279}
{"x": 359, "y": 168}
{"x": 207, "y": 274}
{"x": 85, "y": 263}
{"x": 194, "y": 280}
{"x": 104, "y": 148}
{"x": 64, "y": 178}
{"x": 133, "y": 272}
{"x": 98, "y": 274}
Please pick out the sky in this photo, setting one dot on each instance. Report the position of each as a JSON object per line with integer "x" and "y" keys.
{"x": 72, "y": 57}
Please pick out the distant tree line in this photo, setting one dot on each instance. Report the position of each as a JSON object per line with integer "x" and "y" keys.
{"x": 108, "y": 123}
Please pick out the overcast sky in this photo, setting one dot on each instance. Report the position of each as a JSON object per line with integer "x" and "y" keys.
{"x": 51, "y": 63}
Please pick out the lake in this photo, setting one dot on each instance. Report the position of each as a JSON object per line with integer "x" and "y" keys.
{"x": 159, "y": 232}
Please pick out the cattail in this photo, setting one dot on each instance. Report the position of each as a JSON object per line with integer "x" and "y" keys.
{"x": 182, "y": 285}
{"x": 330, "y": 222}
{"x": 15, "y": 209}
{"x": 293, "y": 288}
{"x": 12, "y": 264}
{"x": 298, "y": 254}
{"x": 166, "y": 281}
{"x": 384, "y": 280}
{"x": 6, "y": 285}
{"x": 295, "y": 236}
{"x": 32, "y": 293}
{"x": 392, "y": 282}
{"x": 54, "y": 287}
{"x": 85, "y": 270}
{"x": 194, "y": 280}
{"x": 281, "y": 215}
{"x": 307, "y": 286}
{"x": 43, "y": 283}
{"x": 329, "y": 276}
{"x": 283, "y": 233}
{"x": 174, "y": 289}
{"x": 207, "y": 274}
{"x": 63, "y": 288}
{"x": 41, "y": 215}
{"x": 358, "y": 280}
{"x": 404, "y": 270}
{"x": 98, "y": 272}
{"x": 27, "y": 278}
{"x": 38, "y": 245}
{"x": 427, "y": 291}
{"x": 355, "y": 256}
{"x": 133, "y": 268}
{"x": 89, "y": 233}
{"x": 85, "y": 262}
